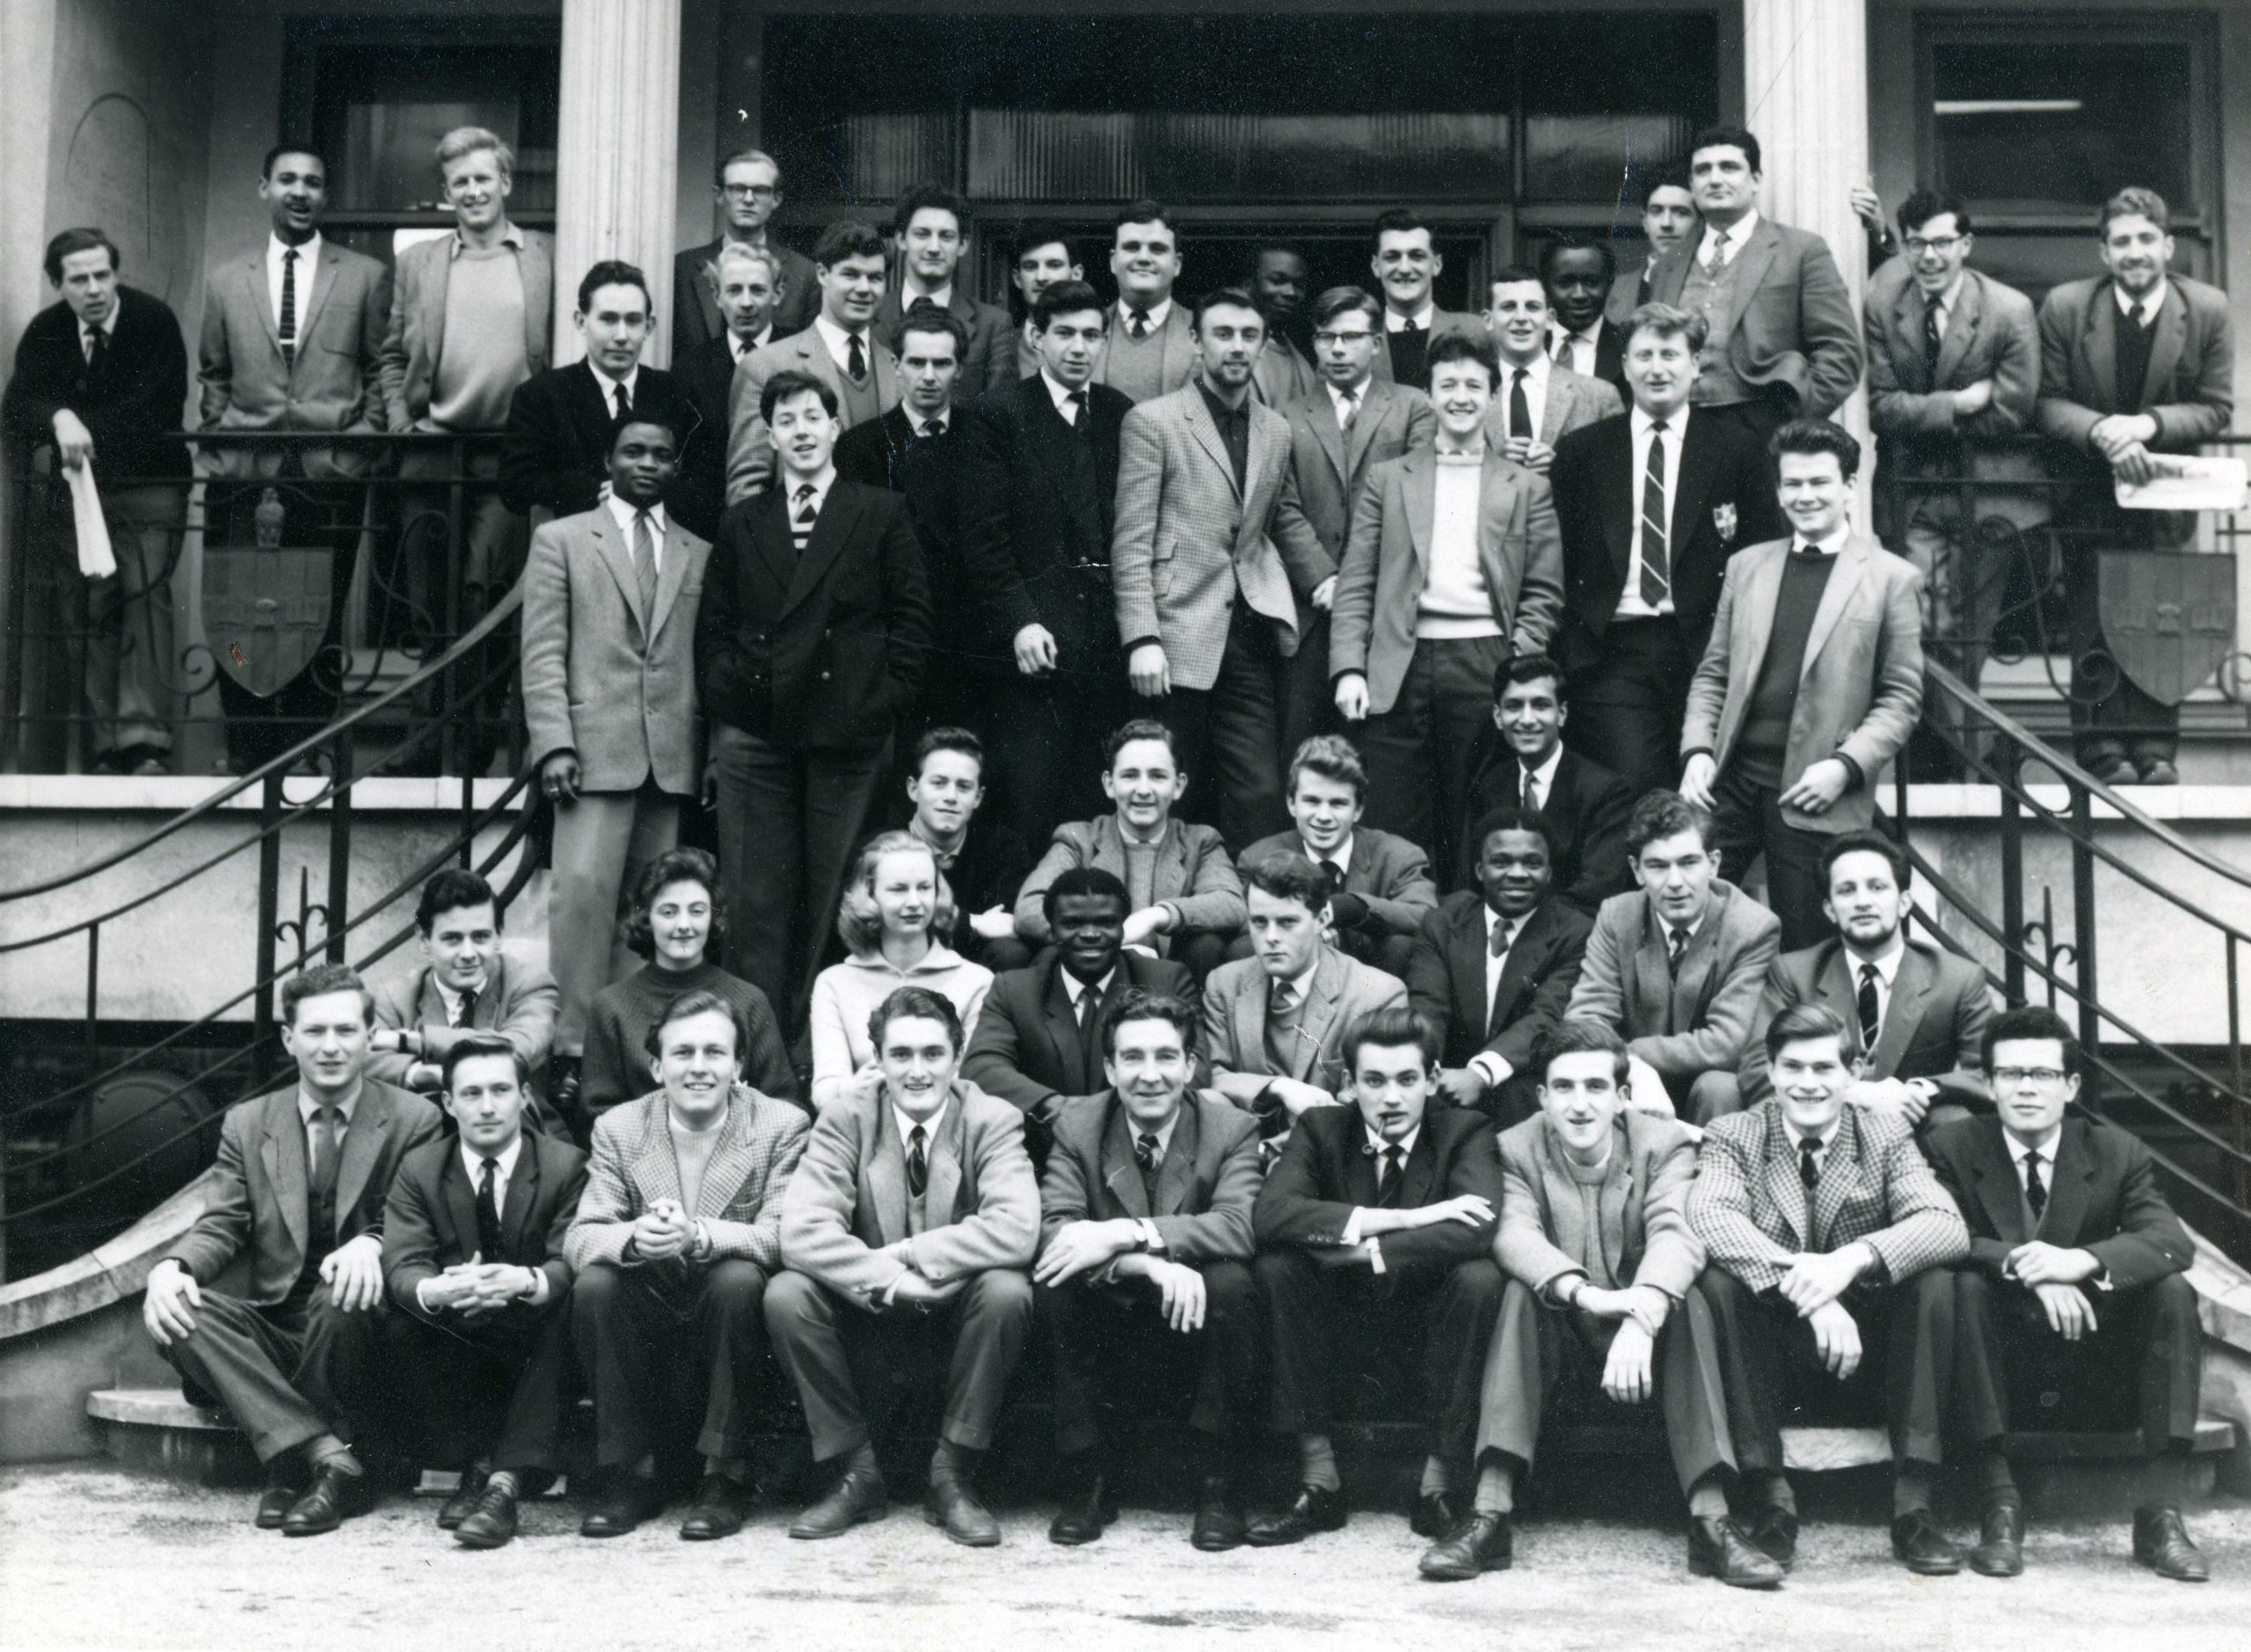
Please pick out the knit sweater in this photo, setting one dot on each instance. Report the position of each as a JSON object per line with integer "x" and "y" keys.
{"x": 615, "y": 1066}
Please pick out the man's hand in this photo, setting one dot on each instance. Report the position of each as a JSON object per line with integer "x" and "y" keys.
{"x": 1696, "y": 775}
{"x": 1816, "y": 1279}
{"x": 1296, "y": 1095}
{"x": 864, "y": 1085}
{"x": 2070, "y": 1314}
{"x": 2040, "y": 1263}
{"x": 1352, "y": 696}
{"x": 1973, "y": 398}
{"x": 914, "y": 1291}
{"x": 498, "y": 1286}
{"x": 559, "y": 777}
{"x": 2123, "y": 440}
{"x": 354, "y": 1272}
{"x": 1145, "y": 925}
{"x": 74, "y": 443}
{"x": 423, "y": 1076}
{"x": 1324, "y": 595}
{"x": 1867, "y": 206}
{"x": 1889, "y": 1095}
{"x": 1593, "y": 1301}
{"x": 452, "y": 1287}
{"x": 708, "y": 794}
{"x": 1816, "y": 788}
{"x": 1471, "y": 1209}
{"x": 168, "y": 1309}
{"x": 1035, "y": 649}
{"x": 387, "y": 1039}
{"x": 1838, "y": 1336}
{"x": 661, "y": 1231}
{"x": 1532, "y": 455}
{"x": 1180, "y": 1289}
{"x": 994, "y": 923}
{"x": 1145, "y": 669}
{"x": 1080, "y": 1247}
{"x": 1626, "y": 1374}
{"x": 1464, "y": 1087}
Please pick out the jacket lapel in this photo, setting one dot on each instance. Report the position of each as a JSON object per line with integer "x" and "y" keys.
{"x": 1062, "y": 1028}
{"x": 1176, "y": 1176}
{"x": 2100, "y": 339}
{"x": 1322, "y": 1000}
{"x": 671, "y": 576}
{"x": 1120, "y": 1173}
{"x": 1207, "y": 437}
{"x": 1841, "y": 1176}
{"x": 1784, "y": 1188}
{"x": 1418, "y": 479}
{"x": 1467, "y": 966}
{"x": 1909, "y": 986}
{"x": 2067, "y": 1198}
{"x": 832, "y": 530}
{"x": 1619, "y": 502}
{"x": 258, "y": 294}
{"x": 323, "y": 274}
{"x": 1651, "y": 971}
{"x": 1961, "y": 328}
{"x": 1999, "y": 1190}
{"x": 1320, "y": 419}
{"x": 362, "y": 1147}
{"x": 1526, "y": 951}
{"x": 1698, "y": 457}
{"x": 1750, "y": 270}
{"x": 947, "y": 1153}
{"x": 884, "y": 1172}
{"x": 729, "y": 1161}
{"x": 1562, "y": 1200}
{"x": 617, "y": 557}
{"x": 461, "y": 1197}
{"x": 283, "y": 1152}
{"x": 1377, "y": 408}
{"x": 1419, "y": 1179}
{"x": 2164, "y": 348}
{"x": 1845, "y": 582}
{"x": 656, "y": 1172}
{"x": 523, "y": 1193}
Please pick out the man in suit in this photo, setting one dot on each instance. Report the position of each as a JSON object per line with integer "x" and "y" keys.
{"x": 1038, "y": 1045}
{"x": 809, "y": 649}
{"x": 1185, "y": 900}
{"x": 1650, "y": 505}
{"x": 292, "y": 339}
{"x": 1379, "y": 886}
{"x": 1676, "y": 967}
{"x": 1953, "y": 371}
{"x": 1810, "y": 684}
{"x": 839, "y": 348}
{"x": 1454, "y": 565}
{"x": 1527, "y": 764}
{"x": 1668, "y": 218}
{"x": 1277, "y": 284}
{"x": 293, "y": 1353}
{"x": 1493, "y": 967}
{"x": 1041, "y": 257}
{"x": 1915, "y": 1015}
{"x": 609, "y": 696}
{"x": 1039, "y": 483}
{"x": 1406, "y": 262}
{"x": 555, "y": 452}
{"x": 2076, "y": 1291}
{"x": 1207, "y": 605}
{"x": 744, "y": 280}
{"x": 929, "y": 229}
{"x": 1782, "y": 341}
{"x": 1276, "y": 1023}
{"x": 101, "y": 377}
{"x": 1375, "y": 1235}
{"x": 1152, "y": 349}
{"x": 1536, "y": 399}
{"x": 674, "y": 1244}
{"x": 473, "y": 1260}
{"x": 748, "y": 189}
{"x": 1577, "y": 276}
{"x": 985, "y": 866}
{"x": 1828, "y": 1285}
{"x": 2134, "y": 363}
{"x": 1595, "y": 1241}
{"x": 1144, "y": 1273}
{"x": 906, "y": 1231}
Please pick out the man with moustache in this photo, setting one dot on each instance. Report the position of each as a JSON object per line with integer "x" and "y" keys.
{"x": 749, "y": 191}
{"x": 1153, "y": 347}
{"x": 930, "y": 227}
{"x": 1536, "y": 401}
{"x": 1278, "y": 285}
{"x": 1577, "y": 276}
{"x": 1585, "y": 806}
{"x": 1042, "y": 256}
{"x": 1405, "y": 263}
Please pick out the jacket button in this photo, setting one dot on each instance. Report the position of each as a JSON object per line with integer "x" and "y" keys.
{"x": 824, "y": 676}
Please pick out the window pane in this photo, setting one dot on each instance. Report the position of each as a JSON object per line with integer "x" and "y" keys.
{"x": 2063, "y": 125}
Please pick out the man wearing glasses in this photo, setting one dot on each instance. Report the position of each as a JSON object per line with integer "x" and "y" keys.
{"x": 749, "y": 192}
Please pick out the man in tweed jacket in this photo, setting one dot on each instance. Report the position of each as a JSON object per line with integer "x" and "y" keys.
{"x": 1828, "y": 1237}
{"x": 674, "y": 1240}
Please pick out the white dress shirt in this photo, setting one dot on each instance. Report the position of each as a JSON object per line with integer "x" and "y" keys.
{"x": 740, "y": 347}
{"x": 308, "y": 259}
{"x": 1535, "y": 393}
{"x": 1060, "y": 394}
{"x": 1575, "y": 350}
{"x": 837, "y": 343}
{"x": 1887, "y": 972}
{"x": 1075, "y": 989}
{"x": 107, "y": 327}
{"x": 1377, "y": 1146}
{"x": 1737, "y": 234}
{"x": 622, "y": 514}
{"x": 607, "y": 386}
{"x": 450, "y": 997}
{"x": 2020, "y": 1154}
{"x": 1630, "y": 606}
{"x": 1543, "y": 777}
{"x": 1342, "y": 854}
{"x": 504, "y": 1168}
{"x": 1394, "y": 321}
{"x": 1155, "y": 313}
{"x": 2146, "y": 307}
{"x": 1943, "y": 306}
{"x": 1822, "y": 1142}
{"x": 929, "y": 1127}
{"x": 1347, "y": 404}
{"x": 1492, "y": 1068}
{"x": 791, "y": 482}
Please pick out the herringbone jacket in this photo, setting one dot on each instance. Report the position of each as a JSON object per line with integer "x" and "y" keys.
{"x": 741, "y": 1201}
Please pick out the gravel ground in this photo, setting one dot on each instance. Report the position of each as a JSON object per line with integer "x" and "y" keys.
{"x": 95, "y": 1558}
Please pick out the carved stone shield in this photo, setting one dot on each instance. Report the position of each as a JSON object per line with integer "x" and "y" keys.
{"x": 265, "y": 610}
{"x": 2169, "y": 616}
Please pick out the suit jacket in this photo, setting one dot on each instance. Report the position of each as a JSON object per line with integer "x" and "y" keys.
{"x": 1442, "y": 321}
{"x": 1934, "y": 1026}
{"x": 1698, "y": 1021}
{"x": 1643, "y": 1208}
{"x": 988, "y": 362}
{"x": 750, "y": 445}
{"x": 1627, "y": 294}
{"x": 1586, "y": 805}
{"x": 1859, "y": 689}
{"x": 1206, "y": 1186}
{"x": 554, "y": 448}
{"x": 602, "y": 679}
{"x": 331, "y": 382}
{"x": 416, "y": 335}
{"x": 1572, "y": 402}
{"x": 1609, "y": 337}
{"x": 739, "y": 1202}
{"x": 1175, "y": 358}
{"x": 430, "y": 1223}
{"x": 847, "y": 1203}
{"x": 1386, "y": 566}
{"x": 1027, "y": 1050}
{"x": 1282, "y": 375}
{"x": 1445, "y": 979}
{"x": 518, "y": 1002}
{"x": 1391, "y": 874}
{"x": 1724, "y": 499}
{"x": 2103, "y": 1197}
{"x": 1327, "y": 1171}
{"x": 846, "y": 626}
{"x": 707, "y": 373}
{"x": 1344, "y": 989}
{"x": 1185, "y": 537}
{"x": 1990, "y": 333}
{"x": 1331, "y": 466}
{"x": 695, "y": 318}
{"x": 927, "y": 472}
{"x": 1791, "y": 327}
{"x": 1192, "y": 873}
{"x": 1035, "y": 528}
{"x": 132, "y": 405}
{"x": 255, "y": 1195}
{"x": 1749, "y": 1202}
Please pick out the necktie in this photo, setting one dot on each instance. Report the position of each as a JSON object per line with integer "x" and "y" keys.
{"x": 856, "y": 361}
{"x": 1282, "y": 1001}
{"x": 801, "y": 516}
{"x": 1078, "y": 402}
{"x": 2036, "y": 1195}
{"x": 1387, "y": 1186}
{"x": 97, "y": 348}
{"x": 1089, "y": 1006}
{"x": 1871, "y": 1015}
{"x": 288, "y": 325}
{"x": 1934, "y": 334}
{"x": 1502, "y": 938}
{"x": 465, "y": 1011}
{"x": 934, "y": 429}
{"x": 1331, "y": 871}
{"x": 918, "y": 1165}
{"x": 644, "y": 560}
{"x": 1520, "y": 407}
{"x": 1347, "y": 410}
{"x": 1656, "y": 569}
{"x": 1676, "y": 942}
{"x": 1531, "y": 790}
{"x": 1138, "y": 325}
{"x": 619, "y": 402}
{"x": 1145, "y": 1152}
{"x": 325, "y": 1150}
{"x": 1717, "y": 262}
{"x": 488, "y": 1210}
{"x": 1809, "y": 1162}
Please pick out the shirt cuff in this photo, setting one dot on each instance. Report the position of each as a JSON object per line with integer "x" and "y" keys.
{"x": 1852, "y": 767}
{"x": 1375, "y": 1255}
{"x": 1352, "y": 1235}
{"x": 542, "y": 1288}
{"x": 1554, "y": 1289}
{"x": 1142, "y": 642}
{"x": 1151, "y": 1238}
{"x": 1492, "y": 1068}
{"x": 423, "y": 1302}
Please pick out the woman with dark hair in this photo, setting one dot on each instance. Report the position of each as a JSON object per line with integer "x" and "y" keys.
{"x": 679, "y": 917}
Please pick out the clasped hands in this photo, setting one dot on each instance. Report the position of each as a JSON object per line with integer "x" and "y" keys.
{"x": 1812, "y": 1284}
{"x": 663, "y": 1230}
{"x": 2054, "y": 1275}
{"x": 1081, "y": 1247}
{"x": 478, "y": 1287}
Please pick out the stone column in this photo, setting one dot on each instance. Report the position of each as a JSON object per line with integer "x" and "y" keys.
{"x": 617, "y": 150}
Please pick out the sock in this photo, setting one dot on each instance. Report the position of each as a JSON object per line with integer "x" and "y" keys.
{"x": 952, "y": 1462}
{"x": 1496, "y": 1485}
{"x": 646, "y": 1468}
{"x": 1707, "y": 1499}
{"x": 1770, "y": 1491}
{"x": 1435, "y": 1477}
{"x": 861, "y": 1460}
{"x": 328, "y": 1451}
{"x": 734, "y": 1468}
{"x": 1996, "y": 1484}
{"x": 1910, "y": 1489}
{"x": 503, "y": 1480}
{"x": 2165, "y": 1478}
{"x": 1318, "y": 1463}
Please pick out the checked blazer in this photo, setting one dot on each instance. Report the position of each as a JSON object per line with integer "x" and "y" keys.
{"x": 740, "y": 1202}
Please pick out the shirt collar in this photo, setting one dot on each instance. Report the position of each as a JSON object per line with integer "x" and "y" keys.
{"x": 1125, "y": 833}
{"x": 1354, "y": 397}
{"x": 473, "y": 1162}
{"x": 1591, "y": 333}
{"x": 1077, "y": 989}
{"x": 1163, "y": 1132}
{"x": 1219, "y": 410}
{"x": 839, "y": 341}
{"x": 2044, "y": 1149}
{"x": 739, "y": 349}
{"x": 1822, "y": 1142}
{"x": 1394, "y": 321}
{"x": 1378, "y": 1145}
{"x": 1060, "y": 393}
{"x": 622, "y": 514}
{"x": 309, "y": 253}
{"x": 108, "y": 326}
{"x": 942, "y": 298}
{"x": 510, "y": 236}
{"x": 307, "y": 1106}
{"x": 608, "y": 385}
{"x": 929, "y": 1125}
{"x": 1156, "y": 313}
{"x": 791, "y": 483}
{"x": 1828, "y": 546}
{"x": 1545, "y": 773}
{"x": 1738, "y": 236}
{"x": 1342, "y": 854}
{"x": 1494, "y": 921}
{"x": 1945, "y": 302}
{"x": 1302, "y": 983}
{"x": 1644, "y": 422}
{"x": 2147, "y": 305}
{"x": 1887, "y": 966}
{"x": 915, "y": 421}
{"x": 940, "y": 959}
{"x": 944, "y": 856}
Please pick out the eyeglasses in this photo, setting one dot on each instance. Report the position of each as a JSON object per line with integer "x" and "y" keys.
{"x": 1917, "y": 245}
{"x": 1341, "y": 337}
{"x": 2037, "y": 1076}
{"x": 748, "y": 192}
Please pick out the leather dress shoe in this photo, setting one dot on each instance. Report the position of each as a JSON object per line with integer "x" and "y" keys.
{"x": 626, "y": 1501}
{"x": 2000, "y": 1541}
{"x": 334, "y": 1498}
{"x": 1922, "y": 1546}
{"x": 1775, "y": 1530}
{"x": 1480, "y": 1544}
{"x": 2114, "y": 771}
{"x": 1721, "y": 1549}
{"x": 723, "y": 1502}
{"x": 1086, "y": 1510}
{"x": 1316, "y": 1509}
{"x": 274, "y": 1503}
{"x": 2157, "y": 772}
{"x": 954, "y": 1509}
{"x": 491, "y": 1522}
{"x": 2161, "y": 1543}
{"x": 1219, "y": 1524}
{"x": 858, "y": 1494}
{"x": 465, "y": 1499}
{"x": 1435, "y": 1516}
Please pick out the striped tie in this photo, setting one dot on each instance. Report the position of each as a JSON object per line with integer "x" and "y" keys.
{"x": 286, "y": 327}
{"x": 1656, "y": 571}
{"x": 801, "y": 518}
{"x": 644, "y": 561}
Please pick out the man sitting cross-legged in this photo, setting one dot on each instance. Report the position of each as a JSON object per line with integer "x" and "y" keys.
{"x": 1144, "y": 1273}
{"x": 675, "y": 1242}
{"x": 1375, "y": 1233}
{"x": 1594, "y": 1238}
{"x": 473, "y": 1259}
{"x": 906, "y": 1231}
